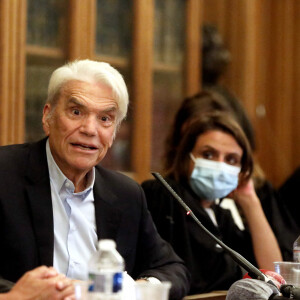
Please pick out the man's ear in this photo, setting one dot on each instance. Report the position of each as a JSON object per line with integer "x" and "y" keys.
{"x": 46, "y": 119}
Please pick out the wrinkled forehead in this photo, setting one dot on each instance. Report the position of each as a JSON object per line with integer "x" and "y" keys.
{"x": 102, "y": 88}
{"x": 84, "y": 93}
{"x": 90, "y": 90}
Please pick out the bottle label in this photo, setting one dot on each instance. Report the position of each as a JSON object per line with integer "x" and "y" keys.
{"x": 108, "y": 283}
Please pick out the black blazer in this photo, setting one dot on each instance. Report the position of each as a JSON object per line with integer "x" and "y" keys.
{"x": 26, "y": 220}
{"x": 210, "y": 266}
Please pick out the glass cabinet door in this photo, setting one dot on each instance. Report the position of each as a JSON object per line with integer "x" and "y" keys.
{"x": 167, "y": 88}
{"x": 46, "y": 31}
{"x": 46, "y": 22}
{"x": 114, "y": 28}
{"x": 113, "y": 45}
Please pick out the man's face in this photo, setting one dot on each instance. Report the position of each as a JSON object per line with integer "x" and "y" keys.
{"x": 81, "y": 126}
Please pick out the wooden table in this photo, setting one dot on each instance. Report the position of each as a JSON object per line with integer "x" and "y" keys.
{"x": 217, "y": 295}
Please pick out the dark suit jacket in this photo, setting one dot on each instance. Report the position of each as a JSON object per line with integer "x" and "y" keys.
{"x": 210, "y": 266}
{"x": 26, "y": 220}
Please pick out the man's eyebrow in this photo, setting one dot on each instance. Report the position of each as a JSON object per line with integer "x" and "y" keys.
{"x": 110, "y": 109}
{"x": 75, "y": 101}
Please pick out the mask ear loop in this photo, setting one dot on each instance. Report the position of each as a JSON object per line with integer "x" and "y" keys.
{"x": 192, "y": 157}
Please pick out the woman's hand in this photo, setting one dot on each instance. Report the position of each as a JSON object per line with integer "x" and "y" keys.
{"x": 265, "y": 245}
{"x": 245, "y": 196}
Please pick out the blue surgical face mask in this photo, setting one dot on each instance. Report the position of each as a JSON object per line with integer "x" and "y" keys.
{"x": 213, "y": 179}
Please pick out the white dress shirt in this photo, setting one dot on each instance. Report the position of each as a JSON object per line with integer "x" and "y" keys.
{"x": 75, "y": 236}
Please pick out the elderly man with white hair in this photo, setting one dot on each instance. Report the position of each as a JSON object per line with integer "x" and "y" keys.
{"x": 57, "y": 201}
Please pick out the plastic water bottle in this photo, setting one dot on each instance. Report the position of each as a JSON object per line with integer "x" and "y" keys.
{"x": 296, "y": 250}
{"x": 106, "y": 272}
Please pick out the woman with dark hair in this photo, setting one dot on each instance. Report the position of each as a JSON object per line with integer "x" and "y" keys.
{"x": 274, "y": 208}
{"x": 211, "y": 161}
{"x": 191, "y": 108}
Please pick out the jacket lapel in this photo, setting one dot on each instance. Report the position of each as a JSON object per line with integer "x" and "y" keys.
{"x": 108, "y": 216}
{"x": 39, "y": 199}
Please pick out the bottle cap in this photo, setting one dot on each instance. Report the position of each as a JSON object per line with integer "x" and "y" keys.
{"x": 107, "y": 244}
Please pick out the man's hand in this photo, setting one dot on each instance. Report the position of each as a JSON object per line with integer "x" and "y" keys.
{"x": 42, "y": 283}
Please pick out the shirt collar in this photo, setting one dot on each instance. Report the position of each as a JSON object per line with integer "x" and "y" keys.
{"x": 60, "y": 181}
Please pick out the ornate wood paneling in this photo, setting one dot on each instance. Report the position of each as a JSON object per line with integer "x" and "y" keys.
{"x": 142, "y": 86}
{"x": 262, "y": 37}
{"x": 194, "y": 10}
{"x": 82, "y": 26}
{"x": 12, "y": 66}
{"x": 279, "y": 100}
{"x": 296, "y": 86}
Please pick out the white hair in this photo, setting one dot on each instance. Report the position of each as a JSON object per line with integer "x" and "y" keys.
{"x": 91, "y": 72}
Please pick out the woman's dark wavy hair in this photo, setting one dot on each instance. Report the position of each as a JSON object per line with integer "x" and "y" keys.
{"x": 222, "y": 121}
{"x": 191, "y": 108}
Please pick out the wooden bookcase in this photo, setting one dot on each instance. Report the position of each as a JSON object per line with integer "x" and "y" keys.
{"x": 262, "y": 36}
{"x": 59, "y": 31}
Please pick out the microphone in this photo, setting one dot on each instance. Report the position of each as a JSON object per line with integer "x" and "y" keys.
{"x": 277, "y": 279}
{"x": 253, "y": 289}
{"x": 243, "y": 262}
{"x": 290, "y": 291}
{"x": 259, "y": 282}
